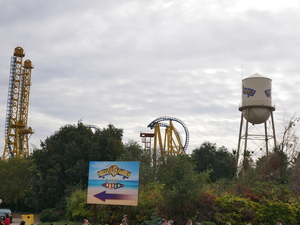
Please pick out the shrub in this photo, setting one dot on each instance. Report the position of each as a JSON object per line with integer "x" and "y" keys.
{"x": 207, "y": 223}
{"x": 77, "y": 208}
{"x": 238, "y": 211}
{"x": 272, "y": 210}
{"x": 153, "y": 221}
{"x": 49, "y": 215}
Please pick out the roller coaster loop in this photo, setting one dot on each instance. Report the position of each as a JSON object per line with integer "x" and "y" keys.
{"x": 169, "y": 118}
{"x": 93, "y": 127}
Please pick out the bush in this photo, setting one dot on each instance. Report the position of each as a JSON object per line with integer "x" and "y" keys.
{"x": 238, "y": 211}
{"x": 77, "y": 208}
{"x": 153, "y": 221}
{"x": 207, "y": 223}
{"x": 272, "y": 210}
{"x": 49, "y": 215}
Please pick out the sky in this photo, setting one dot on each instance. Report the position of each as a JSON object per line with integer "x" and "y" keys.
{"x": 129, "y": 62}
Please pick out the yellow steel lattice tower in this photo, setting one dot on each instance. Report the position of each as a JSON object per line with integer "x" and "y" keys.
{"x": 17, "y": 133}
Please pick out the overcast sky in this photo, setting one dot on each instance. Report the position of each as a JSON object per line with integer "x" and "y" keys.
{"x": 128, "y": 62}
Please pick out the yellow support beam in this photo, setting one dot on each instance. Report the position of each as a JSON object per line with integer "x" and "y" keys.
{"x": 17, "y": 133}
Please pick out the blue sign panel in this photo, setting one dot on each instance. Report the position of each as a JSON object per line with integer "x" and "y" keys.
{"x": 113, "y": 183}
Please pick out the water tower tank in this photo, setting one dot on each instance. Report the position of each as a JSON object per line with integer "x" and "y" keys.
{"x": 256, "y": 98}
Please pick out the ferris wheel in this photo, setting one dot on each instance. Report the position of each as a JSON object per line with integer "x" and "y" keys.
{"x": 171, "y": 142}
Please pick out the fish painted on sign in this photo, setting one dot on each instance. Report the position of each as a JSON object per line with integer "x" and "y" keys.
{"x": 112, "y": 185}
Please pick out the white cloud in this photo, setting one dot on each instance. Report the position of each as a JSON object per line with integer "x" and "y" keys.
{"x": 129, "y": 62}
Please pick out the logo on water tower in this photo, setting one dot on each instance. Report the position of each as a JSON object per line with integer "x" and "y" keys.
{"x": 249, "y": 92}
{"x": 268, "y": 93}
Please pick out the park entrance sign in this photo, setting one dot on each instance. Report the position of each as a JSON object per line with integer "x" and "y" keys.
{"x": 113, "y": 183}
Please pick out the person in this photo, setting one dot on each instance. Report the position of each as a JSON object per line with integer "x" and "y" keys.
{"x": 160, "y": 222}
{"x": 85, "y": 222}
{"x": 197, "y": 223}
{"x": 125, "y": 220}
{"x": 1, "y": 222}
{"x": 22, "y": 222}
{"x": 164, "y": 222}
{"x": 190, "y": 222}
{"x": 6, "y": 219}
{"x": 171, "y": 222}
{"x": 228, "y": 223}
{"x": 279, "y": 222}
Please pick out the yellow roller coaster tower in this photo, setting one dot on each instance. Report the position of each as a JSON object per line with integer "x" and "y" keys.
{"x": 17, "y": 133}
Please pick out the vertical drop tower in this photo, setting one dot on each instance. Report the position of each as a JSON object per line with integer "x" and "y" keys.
{"x": 256, "y": 110}
{"x": 17, "y": 133}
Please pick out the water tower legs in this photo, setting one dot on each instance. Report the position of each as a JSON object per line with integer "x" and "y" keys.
{"x": 253, "y": 132}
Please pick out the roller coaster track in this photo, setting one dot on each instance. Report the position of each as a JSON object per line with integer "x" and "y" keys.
{"x": 10, "y": 94}
{"x": 169, "y": 118}
{"x": 91, "y": 126}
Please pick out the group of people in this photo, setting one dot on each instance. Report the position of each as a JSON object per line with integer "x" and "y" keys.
{"x": 6, "y": 220}
{"x": 125, "y": 221}
{"x": 166, "y": 222}
{"x": 279, "y": 222}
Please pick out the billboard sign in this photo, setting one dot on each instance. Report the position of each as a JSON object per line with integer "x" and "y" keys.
{"x": 113, "y": 183}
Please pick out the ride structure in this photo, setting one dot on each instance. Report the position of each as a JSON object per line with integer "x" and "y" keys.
{"x": 258, "y": 135}
{"x": 170, "y": 142}
{"x": 17, "y": 133}
{"x": 91, "y": 126}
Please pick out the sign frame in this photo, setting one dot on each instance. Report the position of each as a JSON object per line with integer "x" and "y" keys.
{"x": 113, "y": 183}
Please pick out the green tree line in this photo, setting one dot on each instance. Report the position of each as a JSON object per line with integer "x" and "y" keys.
{"x": 202, "y": 186}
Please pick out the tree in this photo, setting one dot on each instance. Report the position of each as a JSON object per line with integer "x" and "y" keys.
{"x": 294, "y": 177}
{"x": 63, "y": 162}
{"x": 274, "y": 167}
{"x": 182, "y": 185}
{"x": 289, "y": 140}
{"x": 77, "y": 209}
{"x": 134, "y": 152}
{"x": 219, "y": 161}
{"x": 13, "y": 176}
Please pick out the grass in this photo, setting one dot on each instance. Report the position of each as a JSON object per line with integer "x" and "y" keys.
{"x": 61, "y": 223}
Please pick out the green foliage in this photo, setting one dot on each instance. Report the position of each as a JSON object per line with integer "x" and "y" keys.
{"x": 272, "y": 210}
{"x": 153, "y": 221}
{"x": 219, "y": 161}
{"x": 207, "y": 223}
{"x": 61, "y": 223}
{"x": 13, "y": 176}
{"x": 205, "y": 207}
{"x": 134, "y": 152}
{"x": 150, "y": 202}
{"x": 113, "y": 214}
{"x": 236, "y": 210}
{"x": 49, "y": 215}
{"x": 77, "y": 209}
{"x": 274, "y": 167}
{"x": 64, "y": 159}
{"x": 182, "y": 185}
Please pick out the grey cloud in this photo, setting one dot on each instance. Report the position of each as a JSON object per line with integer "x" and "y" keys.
{"x": 129, "y": 62}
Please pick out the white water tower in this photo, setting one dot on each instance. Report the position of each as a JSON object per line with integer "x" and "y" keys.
{"x": 256, "y": 109}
